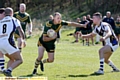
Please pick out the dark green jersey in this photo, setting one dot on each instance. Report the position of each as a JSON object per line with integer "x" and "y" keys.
{"x": 24, "y": 18}
{"x": 50, "y": 25}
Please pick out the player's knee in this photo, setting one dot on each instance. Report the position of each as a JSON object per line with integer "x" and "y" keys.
{"x": 21, "y": 61}
{"x": 100, "y": 51}
{"x": 106, "y": 61}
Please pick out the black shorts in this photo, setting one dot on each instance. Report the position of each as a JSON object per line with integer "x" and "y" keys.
{"x": 49, "y": 46}
{"x": 89, "y": 31}
{"x": 84, "y": 32}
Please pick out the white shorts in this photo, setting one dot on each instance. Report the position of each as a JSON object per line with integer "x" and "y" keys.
{"x": 6, "y": 47}
{"x": 114, "y": 47}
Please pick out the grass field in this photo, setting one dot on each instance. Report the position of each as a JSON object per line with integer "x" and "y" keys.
{"x": 72, "y": 61}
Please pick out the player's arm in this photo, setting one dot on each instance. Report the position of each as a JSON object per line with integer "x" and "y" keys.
{"x": 88, "y": 35}
{"x": 21, "y": 32}
{"x": 108, "y": 33}
{"x": 46, "y": 38}
{"x": 29, "y": 24}
{"x": 78, "y": 24}
{"x": 30, "y": 28}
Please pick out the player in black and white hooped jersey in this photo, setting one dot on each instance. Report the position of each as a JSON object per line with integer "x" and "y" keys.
{"x": 110, "y": 42}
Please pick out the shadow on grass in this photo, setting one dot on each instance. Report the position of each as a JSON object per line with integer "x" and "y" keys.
{"x": 31, "y": 75}
{"x": 82, "y": 75}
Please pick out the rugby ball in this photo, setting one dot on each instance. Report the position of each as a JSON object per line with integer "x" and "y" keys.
{"x": 51, "y": 32}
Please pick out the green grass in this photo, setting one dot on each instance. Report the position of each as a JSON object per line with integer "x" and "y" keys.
{"x": 72, "y": 61}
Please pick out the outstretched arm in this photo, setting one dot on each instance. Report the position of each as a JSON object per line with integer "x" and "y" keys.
{"x": 88, "y": 35}
{"x": 78, "y": 24}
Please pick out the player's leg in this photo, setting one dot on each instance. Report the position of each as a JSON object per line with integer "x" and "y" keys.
{"x": 38, "y": 60}
{"x": 75, "y": 35}
{"x": 109, "y": 62}
{"x": 50, "y": 58}
{"x": 11, "y": 60}
{"x": 119, "y": 38}
{"x": 18, "y": 60}
{"x": 2, "y": 61}
{"x": 102, "y": 52}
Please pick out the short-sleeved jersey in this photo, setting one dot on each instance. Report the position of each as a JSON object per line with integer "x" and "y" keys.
{"x": 24, "y": 18}
{"x": 7, "y": 27}
{"x": 51, "y": 25}
{"x": 102, "y": 31}
{"x": 89, "y": 26}
{"x": 83, "y": 22}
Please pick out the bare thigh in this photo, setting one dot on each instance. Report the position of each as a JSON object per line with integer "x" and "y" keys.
{"x": 40, "y": 52}
{"x": 105, "y": 52}
{"x": 51, "y": 57}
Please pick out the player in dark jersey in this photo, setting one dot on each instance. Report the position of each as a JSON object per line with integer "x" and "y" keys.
{"x": 117, "y": 30}
{"x": 111, "y": 42}
{"x": 77, "y": 30}
{"x": 89, "y": 27}
{"x": 109, "y": 19}
{"x": 48, "y": 43}
{"x": 84, "y": 30}
{"x": 24, "y": 18}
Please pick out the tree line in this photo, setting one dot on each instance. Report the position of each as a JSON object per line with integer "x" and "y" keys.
{"x": 43, "y": 7}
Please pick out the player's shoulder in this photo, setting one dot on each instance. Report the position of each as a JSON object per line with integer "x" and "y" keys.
{"x": 27, "y": 14}
{"x": 104, "y": 24}
{"x": 49, "y": 24}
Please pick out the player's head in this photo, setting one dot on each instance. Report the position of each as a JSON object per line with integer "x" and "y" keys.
{"x": 8, "y": 11}
{"x": 22, "y": 7}
{"x": 108, "y": 14}
{"x": 88, "y": 16}
{"x": 57, "y": 18}
{"x": 2, "y": 10}
{"x": 78, "y": 19}
{"x": 118, "y": 19}
{"x": 97, "y": 17}
{"x": 84, "y": 18}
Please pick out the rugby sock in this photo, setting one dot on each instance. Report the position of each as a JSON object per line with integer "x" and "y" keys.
{"x": 20, "y": 49}
{"x": 102, "y": 64}
{"x": 112, "y": 65}
{"x": 2, "y": 64}
{"x": 37, "y": 62}
{"x": 83, "y": 42}
{"x": 9, "y": 69}
{"x": 45, "y": 61}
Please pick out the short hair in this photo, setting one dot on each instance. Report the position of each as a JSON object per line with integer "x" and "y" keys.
{"x": 2, "y": 10}
{"x": 8, "y": 11}
{"x": 56, "y": 13}
{"x": 98, "y": 14}
{"x": 23, "y": 4}
{"x": 108, "y": 12}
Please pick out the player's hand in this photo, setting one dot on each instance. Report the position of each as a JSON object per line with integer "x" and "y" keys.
{"x": 102, "y": 39}
{"x": 23, "y": 43}
{"x": 80, "y": 34}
